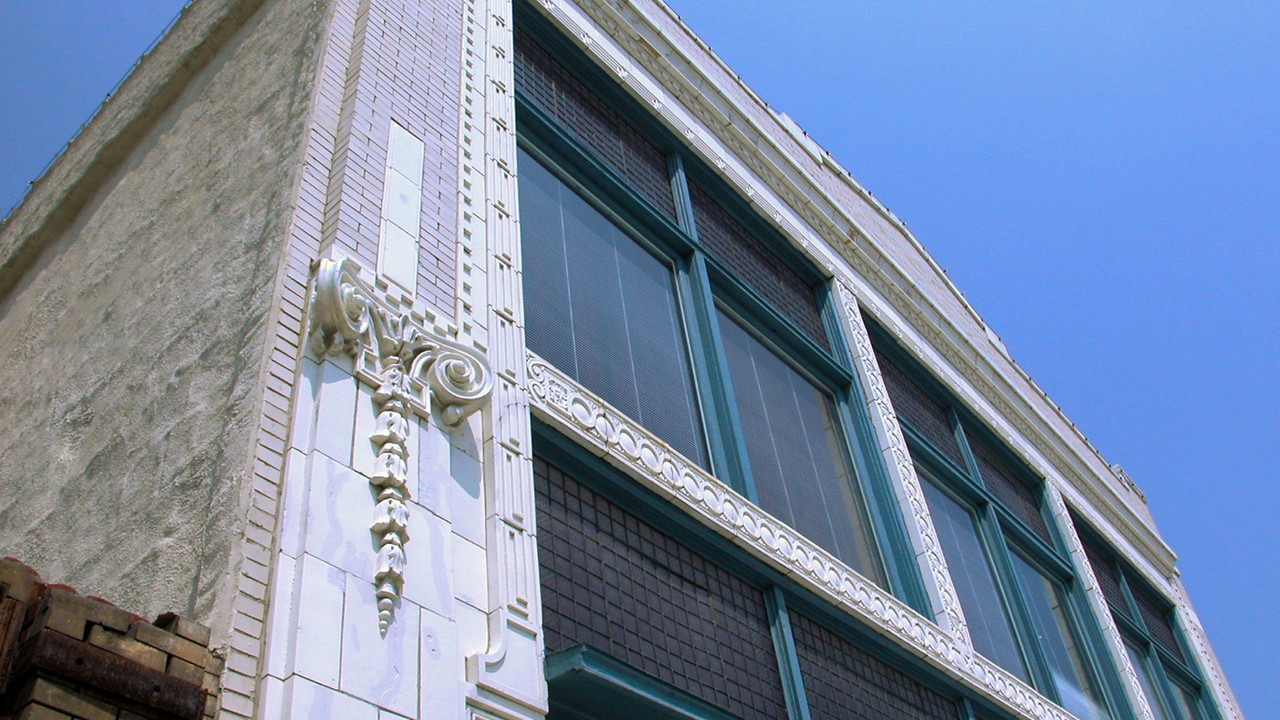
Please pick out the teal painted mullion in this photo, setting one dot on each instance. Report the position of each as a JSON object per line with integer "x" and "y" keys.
{"x": 784, "y": 645}
{"x": 886, "y": 517}
{"x": 1019, "y": 616}
{"x": 886, "y": 520}
{"x": 1088, "y": 625}
{"x": 972, "y": 476}
{"x": 1101, "y": 667}
{"x": 1163, "y": 684}
{"x": 712, "y": 360}
{"x": 703, "y": 340}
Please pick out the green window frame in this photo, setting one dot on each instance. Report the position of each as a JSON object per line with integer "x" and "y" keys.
{"x": 1057, "y": 642}
{"x": 710, "y": 294}
{"x": 1171, "y": 681}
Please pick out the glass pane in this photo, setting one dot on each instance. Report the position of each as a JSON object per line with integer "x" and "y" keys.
{"x": 797, "y": 459}
{"x": 1053, "y": 632}
{"x": 602, "y": 309}
{"x": 1188, "y": 702}
{"x": 1145, "y": 680}
{"x": 974, "y": 581}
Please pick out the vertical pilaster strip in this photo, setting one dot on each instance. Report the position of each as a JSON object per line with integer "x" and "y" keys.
{"x": 1097, "y": 602}
{"x": 902, "y": 473}
{"x": 1214, "y": 678}
{"x": 490, "y": 304}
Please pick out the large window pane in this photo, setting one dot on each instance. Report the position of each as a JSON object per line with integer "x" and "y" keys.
{"x": 974, "y": 581}
{"x": 604, "y": 310}
{"x": 797, "y": 458}
{"x": 1053, "y": 631}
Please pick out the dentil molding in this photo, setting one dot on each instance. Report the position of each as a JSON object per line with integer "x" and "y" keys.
{"x": 413, "y": 368}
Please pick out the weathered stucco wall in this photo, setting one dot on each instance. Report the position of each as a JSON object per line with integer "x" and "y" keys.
{"x": 134, "y": 342}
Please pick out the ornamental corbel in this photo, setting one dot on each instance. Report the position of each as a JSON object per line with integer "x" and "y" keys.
{"x": 412, "y": 367}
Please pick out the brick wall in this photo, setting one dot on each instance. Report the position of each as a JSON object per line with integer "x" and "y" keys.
{"x": 64, "y": 655}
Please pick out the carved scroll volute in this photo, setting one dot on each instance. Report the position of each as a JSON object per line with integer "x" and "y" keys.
{"x": 459, "y": 378}
{"x": 348, "y": 316}
{"x": 340, "y": 310}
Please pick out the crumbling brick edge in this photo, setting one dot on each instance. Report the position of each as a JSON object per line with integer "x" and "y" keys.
{"x": 69, "y": 656}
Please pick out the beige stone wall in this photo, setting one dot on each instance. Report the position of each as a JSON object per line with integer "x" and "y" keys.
{"x": 135, "y": 333}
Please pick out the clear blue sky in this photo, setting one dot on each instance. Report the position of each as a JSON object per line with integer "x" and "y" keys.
{"x": 1099, "y": 178}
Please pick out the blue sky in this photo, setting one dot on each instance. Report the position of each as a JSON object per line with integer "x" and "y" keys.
{"x": 1100, "y": 179}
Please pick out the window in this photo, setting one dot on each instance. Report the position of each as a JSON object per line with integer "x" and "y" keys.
{"x": 1171, "y": 684}
{"x": 649, "y": 281}
{"x": 1012, "y": 577}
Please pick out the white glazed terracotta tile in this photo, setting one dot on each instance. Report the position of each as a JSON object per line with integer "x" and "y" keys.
{"x": 465, "y": 483}
{"x": 470, "y": 573}
{"x": 335, "y": 417}
{"x": 381, "y": 670}
{"x": 316, "y": 702}
{"x": 429, "y": 577}
{"x": 294, "y": 508}
{"x": 340, "y": 508}
{"x": 280, "y": 626}
{"x": 317, "y": 644}
{"x": 305, "y": 393}
{"x": 442, "y": 669}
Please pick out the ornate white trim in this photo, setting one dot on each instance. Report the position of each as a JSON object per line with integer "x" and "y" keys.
{"x": 903, "y": 470}
{"x": 1214, "y": 678}
{"x": 1098, "y": 602}
{"x": 648, "y": 49}
{"x": 564, "y": 403}
{"x": 411, "y": 367}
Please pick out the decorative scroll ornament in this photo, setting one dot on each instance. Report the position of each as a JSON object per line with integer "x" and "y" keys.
{"x": 410, "y": 366}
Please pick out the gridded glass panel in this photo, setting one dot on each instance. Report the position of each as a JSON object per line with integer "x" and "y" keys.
{"x": 1147, "y": 683}
{"x": 750, "y": 261}
{"x": 594, "y": 122}
{"x": 975, "y": 584}
{"x": 916, "y": 408}
{"x": 1156, "y": 615}
{"x": 1104, "y": 567}
{"x": 1045, "y": 603}
{"x": 601, "y": 308}
{"x": 844, "y": 682}
{"x": 1018, "y": 497}
{"x": 797, "y": 459}
{"x": 616, "y": 584}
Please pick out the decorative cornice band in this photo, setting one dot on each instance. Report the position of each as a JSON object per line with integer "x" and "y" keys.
{"x": 562, "y": 402}
{"x": 411, "y": 367}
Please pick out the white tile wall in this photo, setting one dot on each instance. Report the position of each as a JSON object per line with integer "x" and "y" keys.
{"x": 382, "y": 670}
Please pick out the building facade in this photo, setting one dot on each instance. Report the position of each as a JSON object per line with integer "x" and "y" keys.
{"x": 498, "y": 358}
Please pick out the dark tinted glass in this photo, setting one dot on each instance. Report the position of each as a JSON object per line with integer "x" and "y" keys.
{"x": 753, "y": 263}
{"x": 1051, "y": 622}
{"x": 616, "y": 584}
{"x": 920, "y": 411}
{"x": 594, "y": 122}
{"x": 1104, "y": 567}
{"x": 975, "y": 584}
{"x": 1157, "y": 616}
{"x": 797, "y": 459}
{"x": 601, "y": 308}
{"x": 1018, "y": 497}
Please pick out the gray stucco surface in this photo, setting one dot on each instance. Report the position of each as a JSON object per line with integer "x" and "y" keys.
{"x": 135, "y": 341}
